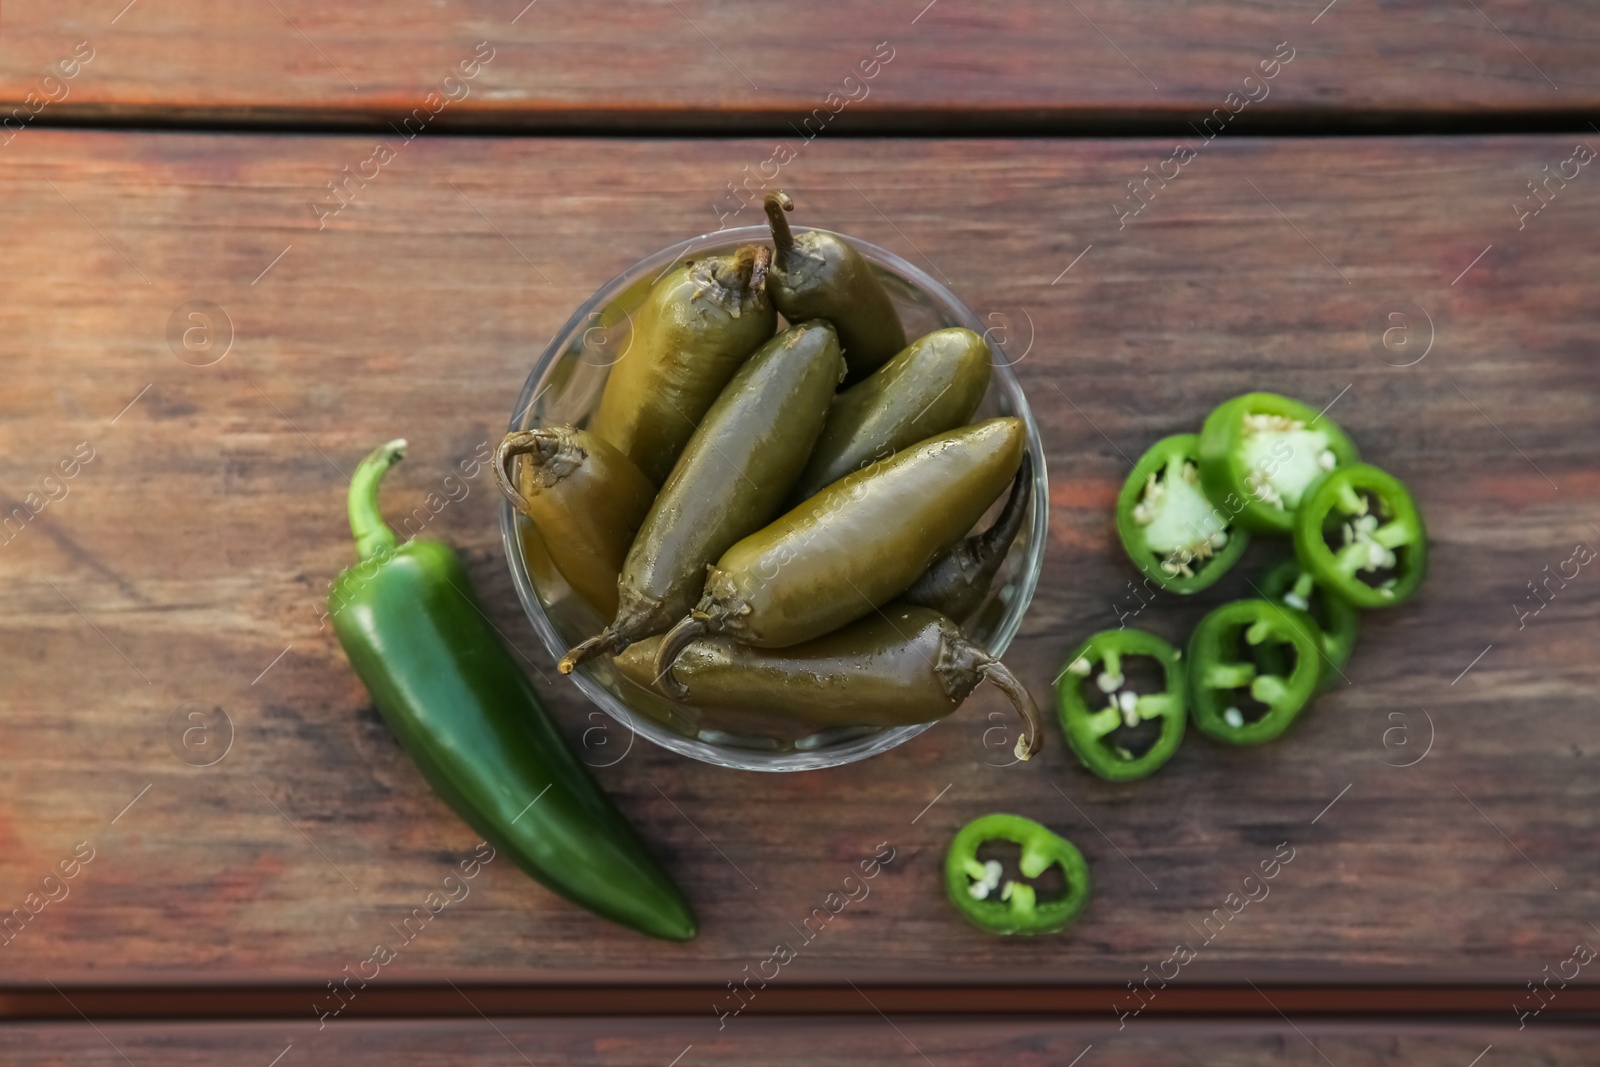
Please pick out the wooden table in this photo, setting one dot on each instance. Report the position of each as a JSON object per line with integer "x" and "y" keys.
{"x": 1441, "y": 810}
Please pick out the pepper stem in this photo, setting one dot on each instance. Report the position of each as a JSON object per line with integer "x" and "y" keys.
{"x": 677, "y": 639}
{"x": 372, "y": 534}
{"x": 600, "y": 643}
{"x": 520, "y": 443}
{"x": 776, "y": 203}
{"x": 1002, "y": 679}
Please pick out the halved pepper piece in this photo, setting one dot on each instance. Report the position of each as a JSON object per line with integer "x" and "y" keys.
{"x": 1232, "y": 649}
{"x": 976, "y": 891}
{"x": 1338, "y": 621}
{"x": 1260, "y": 453}
{"x": 1134, "y": 733}
{"x": 1173, "y": 533}
{"x": 1379, "y": 530}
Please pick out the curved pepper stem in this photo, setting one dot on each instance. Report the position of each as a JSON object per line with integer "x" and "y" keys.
{"x": 373, "y": 535}
{"x": 529, "y": 443}
{"x": 775, "y": 204}
{"x": 678, "y": 638}
{"x": 1032, "y": 739}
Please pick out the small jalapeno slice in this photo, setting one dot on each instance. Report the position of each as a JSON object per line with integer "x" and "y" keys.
{"x": 1370, "y": 517}
{"x": 1170, "y": 529}
{"x": 1260, "y": 454}
{"x": 1241, "y": 690}
{"x": 1338, "y": 621}
{"x": 975, "y": 886}
{"x": 1134, "y": 733}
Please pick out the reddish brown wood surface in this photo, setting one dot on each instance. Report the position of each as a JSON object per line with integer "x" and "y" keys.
{"x": 188, "y": 559}
{"x": 897, "y": 1039}
{"x": 720, "y": 63}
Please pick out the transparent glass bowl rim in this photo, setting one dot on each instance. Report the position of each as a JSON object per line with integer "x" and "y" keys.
{"x": 1010, "y": 388}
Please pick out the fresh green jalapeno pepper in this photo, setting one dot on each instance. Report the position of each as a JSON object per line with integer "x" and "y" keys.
{"x": 1338, "y": 621}
{"x": 955, "y": 584}
{"x": 1260, "y": 452}
{"x": 1380, "y": 532}
{"x": 700, "y": 322}
{"x": 1171, "y": 530}
{"x": 858, "y": 544}
{"x": 817, "y": 275}
{"x": 976, "y": 891}
{"x": 1228, "y": 653}
{"x": 933, "y": 385}
{"x": 1135, "y": 733}
{"x": 444, "y": 682}
{"x": 584, "y": 497}
{"x": 896, "y": 667}
{"x": 731, "y": 479}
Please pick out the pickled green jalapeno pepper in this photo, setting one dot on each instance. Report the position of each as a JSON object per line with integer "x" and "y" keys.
{"x": 1135, "y": 733}
{"x": 701, "y": 321}
{"x": 817, "y": 275}
{"x": 859, "y": 543}
{"x": 1380, "y": 531}
{"x": 1260, "y": 452}
{"x": 896, "y": 667}
{"x": 933, "y": 385}
{"x": 469, "y": 718}
{"x": 1338, "y": 621}
{"x": 956, "y": 583}
{"x": 975, "y": 888}
{"x": 1171, "y": 530}
{"x": 584, "y": 497}
{"x": 731, "y": 479}
{"x": 1220, "y": 680}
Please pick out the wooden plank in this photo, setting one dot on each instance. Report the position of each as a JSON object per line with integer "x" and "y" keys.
{"x": 188, "y": 559}
{"x": 655, "y": 1043}
{"x": 732, "y": 63}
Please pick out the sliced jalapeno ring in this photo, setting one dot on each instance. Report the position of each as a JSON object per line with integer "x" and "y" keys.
{"x": 1338, "y": 621}
{"x": 1173, "y": 533}
{"x": 1370, "y": 515}
{"x": 1260, "y": 454}
{"x": 977, "y": 892}
{"x": 1134, "y": 733}
{"x": 1231, "y": 650}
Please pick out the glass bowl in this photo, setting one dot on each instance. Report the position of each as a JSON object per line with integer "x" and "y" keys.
{"x": 564, "y": 387}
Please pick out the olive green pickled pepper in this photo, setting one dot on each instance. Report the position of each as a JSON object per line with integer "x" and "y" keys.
{"x": 701, "y": 321}
{"x": 584, "y": 497}
{"x": 858, "y": 544}
{"x": 901, "y": 666}
{"x": 731, "y": 479}
{"x": 934, "y": 384}
{"x": 956, "y": 583}
{"x": 818, "y": 275}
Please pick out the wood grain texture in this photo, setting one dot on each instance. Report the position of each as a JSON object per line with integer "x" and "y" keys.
{"x": 189, "y": 558}
{"x": 719, "y": 63}
{"x": 657, "y": 1043}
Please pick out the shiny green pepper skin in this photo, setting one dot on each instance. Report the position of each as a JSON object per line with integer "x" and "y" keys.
{"x": 817, "y": 275}
{"x": 934, "y": 384}
{"x": 462, "y": 708}
{"x": 975, "y": 890}
{"x": 585, "y": 499}
{"x": 701, "y": 321}
{"x": 730, "y": 480}
{"x": 956, "y": 583}
{"x": 895, "y": 667}
{"x": 854, "y": 546}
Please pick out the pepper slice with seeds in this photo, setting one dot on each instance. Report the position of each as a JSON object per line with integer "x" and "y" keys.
{"x": 1134, "y": 733}
{"x": 1242, "y": 688}
{"x": 1260, "y": 453}
{"x": 1012, "y": 907}
{"x": 1338, "y": 621}
{"x": 1371, "y": 517}
{"x": 1173, "y": 533}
